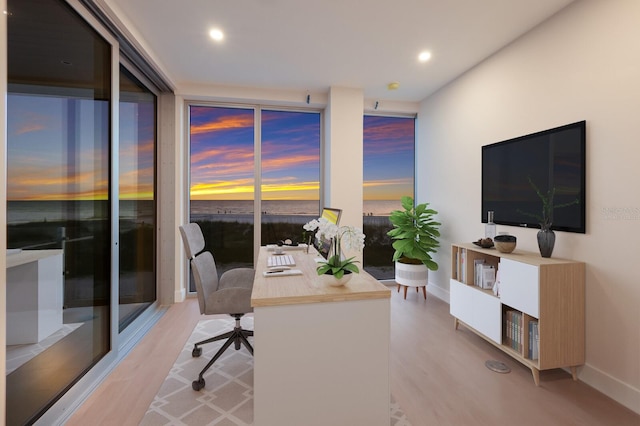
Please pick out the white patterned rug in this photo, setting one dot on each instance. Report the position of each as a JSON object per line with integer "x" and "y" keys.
{"x": 227, "y": 398}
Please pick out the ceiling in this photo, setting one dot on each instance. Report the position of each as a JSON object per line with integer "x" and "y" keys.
{"x": 311, "y": 45}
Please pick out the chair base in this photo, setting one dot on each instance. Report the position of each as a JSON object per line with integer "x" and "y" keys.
{"x": 238, "y": 336}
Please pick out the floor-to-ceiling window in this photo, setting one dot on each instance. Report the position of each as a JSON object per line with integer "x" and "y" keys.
{"x": 389, "y": 164}
{"x": 222, "y": 181}
{"x": 137, "y": 206}
{"x": 58, "y": 203}
{"x": 223, "y": 194}
{"x": 290, "y": 178}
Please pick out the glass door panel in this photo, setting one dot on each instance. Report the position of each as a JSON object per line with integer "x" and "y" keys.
{"x": 137, "y": 279}
{"x": 58, "y": 206}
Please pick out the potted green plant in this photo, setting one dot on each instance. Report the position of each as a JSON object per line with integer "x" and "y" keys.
{"x": 414, "y": 235}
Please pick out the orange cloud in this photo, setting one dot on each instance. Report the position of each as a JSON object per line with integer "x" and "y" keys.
{"x": 271, "y": 164}
{"x": 387, "y": 182}
{"x": 41, "y": 182}
{"x": 223, "y": 123}
{"x": 29, "y": 127}
{"x": 214, "y": 190}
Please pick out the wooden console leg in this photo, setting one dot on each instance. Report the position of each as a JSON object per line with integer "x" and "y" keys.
{"x": 398, "y": 288}
{"x": 536, "y": 376}
{"x": 455, "y": 323}
{"x": 574, "y": 372}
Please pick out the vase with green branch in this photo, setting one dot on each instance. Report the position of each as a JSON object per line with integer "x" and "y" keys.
{"x": 546, "y": 236}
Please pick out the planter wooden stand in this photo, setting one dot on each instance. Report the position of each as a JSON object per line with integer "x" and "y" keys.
{"x": 409, "y": 275}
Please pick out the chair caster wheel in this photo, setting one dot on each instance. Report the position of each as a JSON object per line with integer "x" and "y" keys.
{"x": 196, "y": 352}
{"x": 197, "y": 384}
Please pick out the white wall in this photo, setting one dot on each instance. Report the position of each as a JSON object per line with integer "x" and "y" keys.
{"x": 583, "y": 64}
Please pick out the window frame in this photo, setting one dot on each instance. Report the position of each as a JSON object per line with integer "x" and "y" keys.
{"x": 258, "y": 108}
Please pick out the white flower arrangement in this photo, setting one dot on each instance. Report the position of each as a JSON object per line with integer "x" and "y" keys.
{"x": 349, "y": 237}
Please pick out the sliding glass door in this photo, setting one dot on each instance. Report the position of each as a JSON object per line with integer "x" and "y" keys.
{"x": 81, "y": 206}
{"x": 58, "y": 203}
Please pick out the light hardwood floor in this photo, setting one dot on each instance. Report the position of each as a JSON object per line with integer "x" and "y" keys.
{"x": 438, "y": 376}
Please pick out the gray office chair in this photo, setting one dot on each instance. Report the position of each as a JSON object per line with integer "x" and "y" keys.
{"x": 230, "y": 294}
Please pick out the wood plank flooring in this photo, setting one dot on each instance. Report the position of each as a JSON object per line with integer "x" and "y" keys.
{"x": 438, "y": 376}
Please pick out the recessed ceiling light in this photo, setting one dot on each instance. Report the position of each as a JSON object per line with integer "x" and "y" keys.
{"x": 393, "y": 85}
{"x": 216, "y": 34}
{"x": 424, "y": 56}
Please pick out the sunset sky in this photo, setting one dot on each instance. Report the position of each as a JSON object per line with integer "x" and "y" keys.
{"x": 222, "y": 159}
{"x": 222, "y": 153}
{"x": 39, "y": 166}
{"x": 388, "y": 157}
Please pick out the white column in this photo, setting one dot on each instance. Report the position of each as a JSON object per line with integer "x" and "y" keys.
{"x": 343, "y": 154}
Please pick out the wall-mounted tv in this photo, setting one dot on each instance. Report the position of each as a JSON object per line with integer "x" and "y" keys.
{"x": 553, "y": 159}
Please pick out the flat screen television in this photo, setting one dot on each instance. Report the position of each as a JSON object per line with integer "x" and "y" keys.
{"x": 553, "y": 159}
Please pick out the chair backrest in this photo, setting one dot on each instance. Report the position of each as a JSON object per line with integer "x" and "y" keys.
{"x": 205, "y": 276}
{"x": 203, "y": 266}
{"x": 192, "y": 238}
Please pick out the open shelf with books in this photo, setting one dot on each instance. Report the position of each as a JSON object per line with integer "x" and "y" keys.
{"x": 534, "y": 311}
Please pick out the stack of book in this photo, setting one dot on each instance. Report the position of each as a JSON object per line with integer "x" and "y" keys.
{"x": 514, "y": 337}
{"x": 534, "y": 340}
{"x": 484, "y": 274}
{"x": 513, "y": 330}
{"x": 461, "y": 263}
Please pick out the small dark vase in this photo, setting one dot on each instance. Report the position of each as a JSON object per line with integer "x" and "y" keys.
{"x": 546, "y": 241}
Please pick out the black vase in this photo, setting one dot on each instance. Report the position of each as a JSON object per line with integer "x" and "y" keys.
{"x": 546, "y": 241}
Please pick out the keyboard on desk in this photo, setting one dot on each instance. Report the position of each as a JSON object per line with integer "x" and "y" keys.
{"x": 280, "y": 260}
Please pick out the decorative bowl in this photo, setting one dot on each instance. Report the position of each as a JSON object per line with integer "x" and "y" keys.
{"x": 505, "y": 243}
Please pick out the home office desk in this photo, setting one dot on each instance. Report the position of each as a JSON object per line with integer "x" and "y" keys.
{"x": 321, "y": 353}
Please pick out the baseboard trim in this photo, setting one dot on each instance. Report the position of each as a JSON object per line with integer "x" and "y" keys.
{"x": 438, "y": 292}
{"x": 619, "y": 391}
{"x": 614, "y": 388}
{"x": 179, "y": 295}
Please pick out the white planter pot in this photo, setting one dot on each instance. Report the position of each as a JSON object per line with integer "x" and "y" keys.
{"x": 411, "y": 275}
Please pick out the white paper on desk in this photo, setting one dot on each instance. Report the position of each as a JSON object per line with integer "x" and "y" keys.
{"x": 282, "y": 273}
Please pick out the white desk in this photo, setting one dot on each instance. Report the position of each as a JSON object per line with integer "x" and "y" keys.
{"x": 34, "y": 295}
{"x": 321, "y": 353}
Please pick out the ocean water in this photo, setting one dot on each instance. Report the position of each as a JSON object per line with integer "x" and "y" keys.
{"x": 52, "y": 211}
{"x": 287, "y": 207}
{"x": 48, "y": 211}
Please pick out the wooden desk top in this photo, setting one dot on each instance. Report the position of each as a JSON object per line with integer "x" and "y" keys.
{"x": 308, "y": 287}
